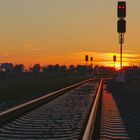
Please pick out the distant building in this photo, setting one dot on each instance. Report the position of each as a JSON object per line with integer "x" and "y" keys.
{"x": 7, "y": 67}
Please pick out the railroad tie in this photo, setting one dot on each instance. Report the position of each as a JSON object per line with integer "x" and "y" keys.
{"x": 112, "y": 126}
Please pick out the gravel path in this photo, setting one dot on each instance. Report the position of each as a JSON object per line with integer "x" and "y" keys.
{"x": 127, "y": 97}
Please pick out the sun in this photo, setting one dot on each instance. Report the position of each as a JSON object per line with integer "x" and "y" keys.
{"x": 117, "y": 65}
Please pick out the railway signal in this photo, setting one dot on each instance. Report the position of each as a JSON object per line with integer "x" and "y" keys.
{"x": 121, "y": 25}
{"x": 114, "y": 59}
{"x": 86, "y": 59}
{"x": 121, "y": 9}
{"x": 91, "y": 59}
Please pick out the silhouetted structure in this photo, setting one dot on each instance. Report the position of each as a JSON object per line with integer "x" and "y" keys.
{"x": 121, "y": 25}
{"x": 7, "y": 67}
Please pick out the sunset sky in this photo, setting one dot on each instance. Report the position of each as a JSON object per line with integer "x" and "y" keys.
{"x": 63, "y": 31}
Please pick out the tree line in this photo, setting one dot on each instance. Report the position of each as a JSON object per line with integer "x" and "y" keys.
{"x": 37, "y": 68}
{"x": 130, "y": 71}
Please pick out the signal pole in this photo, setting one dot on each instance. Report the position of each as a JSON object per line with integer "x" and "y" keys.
{"x": 121, "y": 25}
{"x": 121, "y": 42}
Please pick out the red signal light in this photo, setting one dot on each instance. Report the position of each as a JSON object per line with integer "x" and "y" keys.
{"x": 121, "y": 9}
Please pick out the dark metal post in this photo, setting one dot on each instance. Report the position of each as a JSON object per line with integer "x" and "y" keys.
{"x": 121, "y": 42}
{"x": 121, "y": 25}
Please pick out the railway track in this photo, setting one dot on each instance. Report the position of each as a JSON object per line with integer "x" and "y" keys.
{"x": 69, "y": 116}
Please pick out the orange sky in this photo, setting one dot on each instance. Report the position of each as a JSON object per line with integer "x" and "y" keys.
{"x": 63, "y": 32}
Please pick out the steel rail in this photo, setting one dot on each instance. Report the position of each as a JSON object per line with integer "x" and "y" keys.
{"x": 23, "y": 108}
{"x": 90, "y": 124}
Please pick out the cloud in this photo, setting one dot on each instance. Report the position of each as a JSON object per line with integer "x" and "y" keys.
{"x": 29, "y": 53}
{"x": 107, "y": 58}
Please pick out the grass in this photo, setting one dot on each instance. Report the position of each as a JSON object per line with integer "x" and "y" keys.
{"x": 26, "y": 86}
